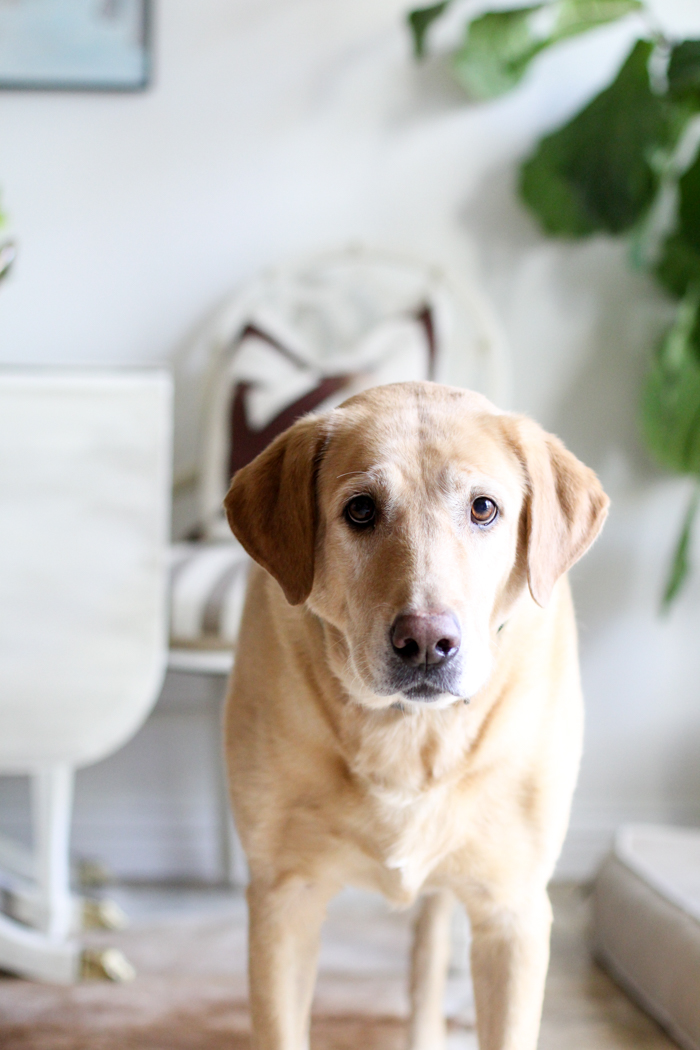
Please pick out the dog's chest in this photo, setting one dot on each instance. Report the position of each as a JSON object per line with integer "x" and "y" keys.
{"x": 410, "y": 773}
{"x": 411, "y": 839}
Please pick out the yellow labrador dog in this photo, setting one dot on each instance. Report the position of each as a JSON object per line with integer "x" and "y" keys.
{"x": 405, "y": 712}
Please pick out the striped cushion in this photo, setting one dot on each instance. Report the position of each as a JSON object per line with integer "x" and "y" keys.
{"x": 207, "y": 590}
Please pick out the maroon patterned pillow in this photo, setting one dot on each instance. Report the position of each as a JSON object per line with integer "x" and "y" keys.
{"x": 247, "y": 440}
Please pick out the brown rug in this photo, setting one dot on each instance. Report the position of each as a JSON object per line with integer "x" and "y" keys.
{"x": 178, "y": 1013}
{"x": 187, "y": 1012}
{"x": 199, "y": 1017}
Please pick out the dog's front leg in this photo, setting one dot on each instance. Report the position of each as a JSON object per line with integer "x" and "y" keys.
{"x": 284, "y": 925}
{"x": 510, "y": 954}
{"x": 429, "y": 961}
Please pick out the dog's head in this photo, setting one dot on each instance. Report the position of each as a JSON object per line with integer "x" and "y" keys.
{"x": 411, "y": 519}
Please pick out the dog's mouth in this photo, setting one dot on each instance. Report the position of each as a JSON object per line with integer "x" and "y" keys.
{"x": 422, "y": 683}
{"x": 428, "y": 694}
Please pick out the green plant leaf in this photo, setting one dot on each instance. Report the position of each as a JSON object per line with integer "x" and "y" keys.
{"x": 679, "y": 265}
{"x": 500, "y": 45}
{"x": 689, "y": 205}
{"x": 594, "y": 174}
{"x": 684, "y": 71}
{"x": 670, "y": 408}
{"x": 496, "y": 53}
{"x": 578, "y": 16}
{"x": 420, "y": 20}
{"x": 680, "y": 565}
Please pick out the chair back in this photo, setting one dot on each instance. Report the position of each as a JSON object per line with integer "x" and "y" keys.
{"x": 305, "y": 338}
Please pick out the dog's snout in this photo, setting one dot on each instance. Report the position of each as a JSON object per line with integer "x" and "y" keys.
{"x": 425, "y": 638}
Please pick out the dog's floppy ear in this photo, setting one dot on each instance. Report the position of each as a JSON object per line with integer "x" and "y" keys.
{"x": 271, "y": 507}
{"x": 565, "y": 508}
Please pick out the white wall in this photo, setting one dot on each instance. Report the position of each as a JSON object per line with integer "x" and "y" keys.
{"x": 279, "y": 126}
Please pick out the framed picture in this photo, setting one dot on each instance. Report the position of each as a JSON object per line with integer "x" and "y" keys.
{"x": 75, "y": 45}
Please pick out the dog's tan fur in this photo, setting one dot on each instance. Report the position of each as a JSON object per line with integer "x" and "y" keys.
{"x": 336, "y": 779}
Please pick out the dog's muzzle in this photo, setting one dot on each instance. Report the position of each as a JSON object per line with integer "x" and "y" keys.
{"x": 423, "y": 651}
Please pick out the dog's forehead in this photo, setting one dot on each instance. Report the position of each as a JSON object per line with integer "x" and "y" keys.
{"x": 411, "y": 436}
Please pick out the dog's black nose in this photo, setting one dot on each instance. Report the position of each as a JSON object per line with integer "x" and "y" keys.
{"x": 425, "y": 638}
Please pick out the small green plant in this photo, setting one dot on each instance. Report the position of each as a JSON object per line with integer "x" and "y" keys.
{"x": 626, "y": 165}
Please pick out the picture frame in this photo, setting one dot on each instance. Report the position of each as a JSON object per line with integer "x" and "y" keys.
{"x": 75, "y": 45}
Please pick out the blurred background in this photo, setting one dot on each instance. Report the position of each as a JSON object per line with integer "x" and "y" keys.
{"x": 274, "y": 129}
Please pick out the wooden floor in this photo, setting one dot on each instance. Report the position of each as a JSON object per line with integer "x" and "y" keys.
{"x": 584, "y": 1009}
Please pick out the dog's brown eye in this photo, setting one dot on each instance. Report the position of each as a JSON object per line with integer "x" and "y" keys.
{"x": 360, "y": 511}
{"x": 484, "y": 510}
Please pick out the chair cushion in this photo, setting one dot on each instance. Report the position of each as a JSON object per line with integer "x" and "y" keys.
{"x": 207, "y": 591}
{"x": 647, "y": 924}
